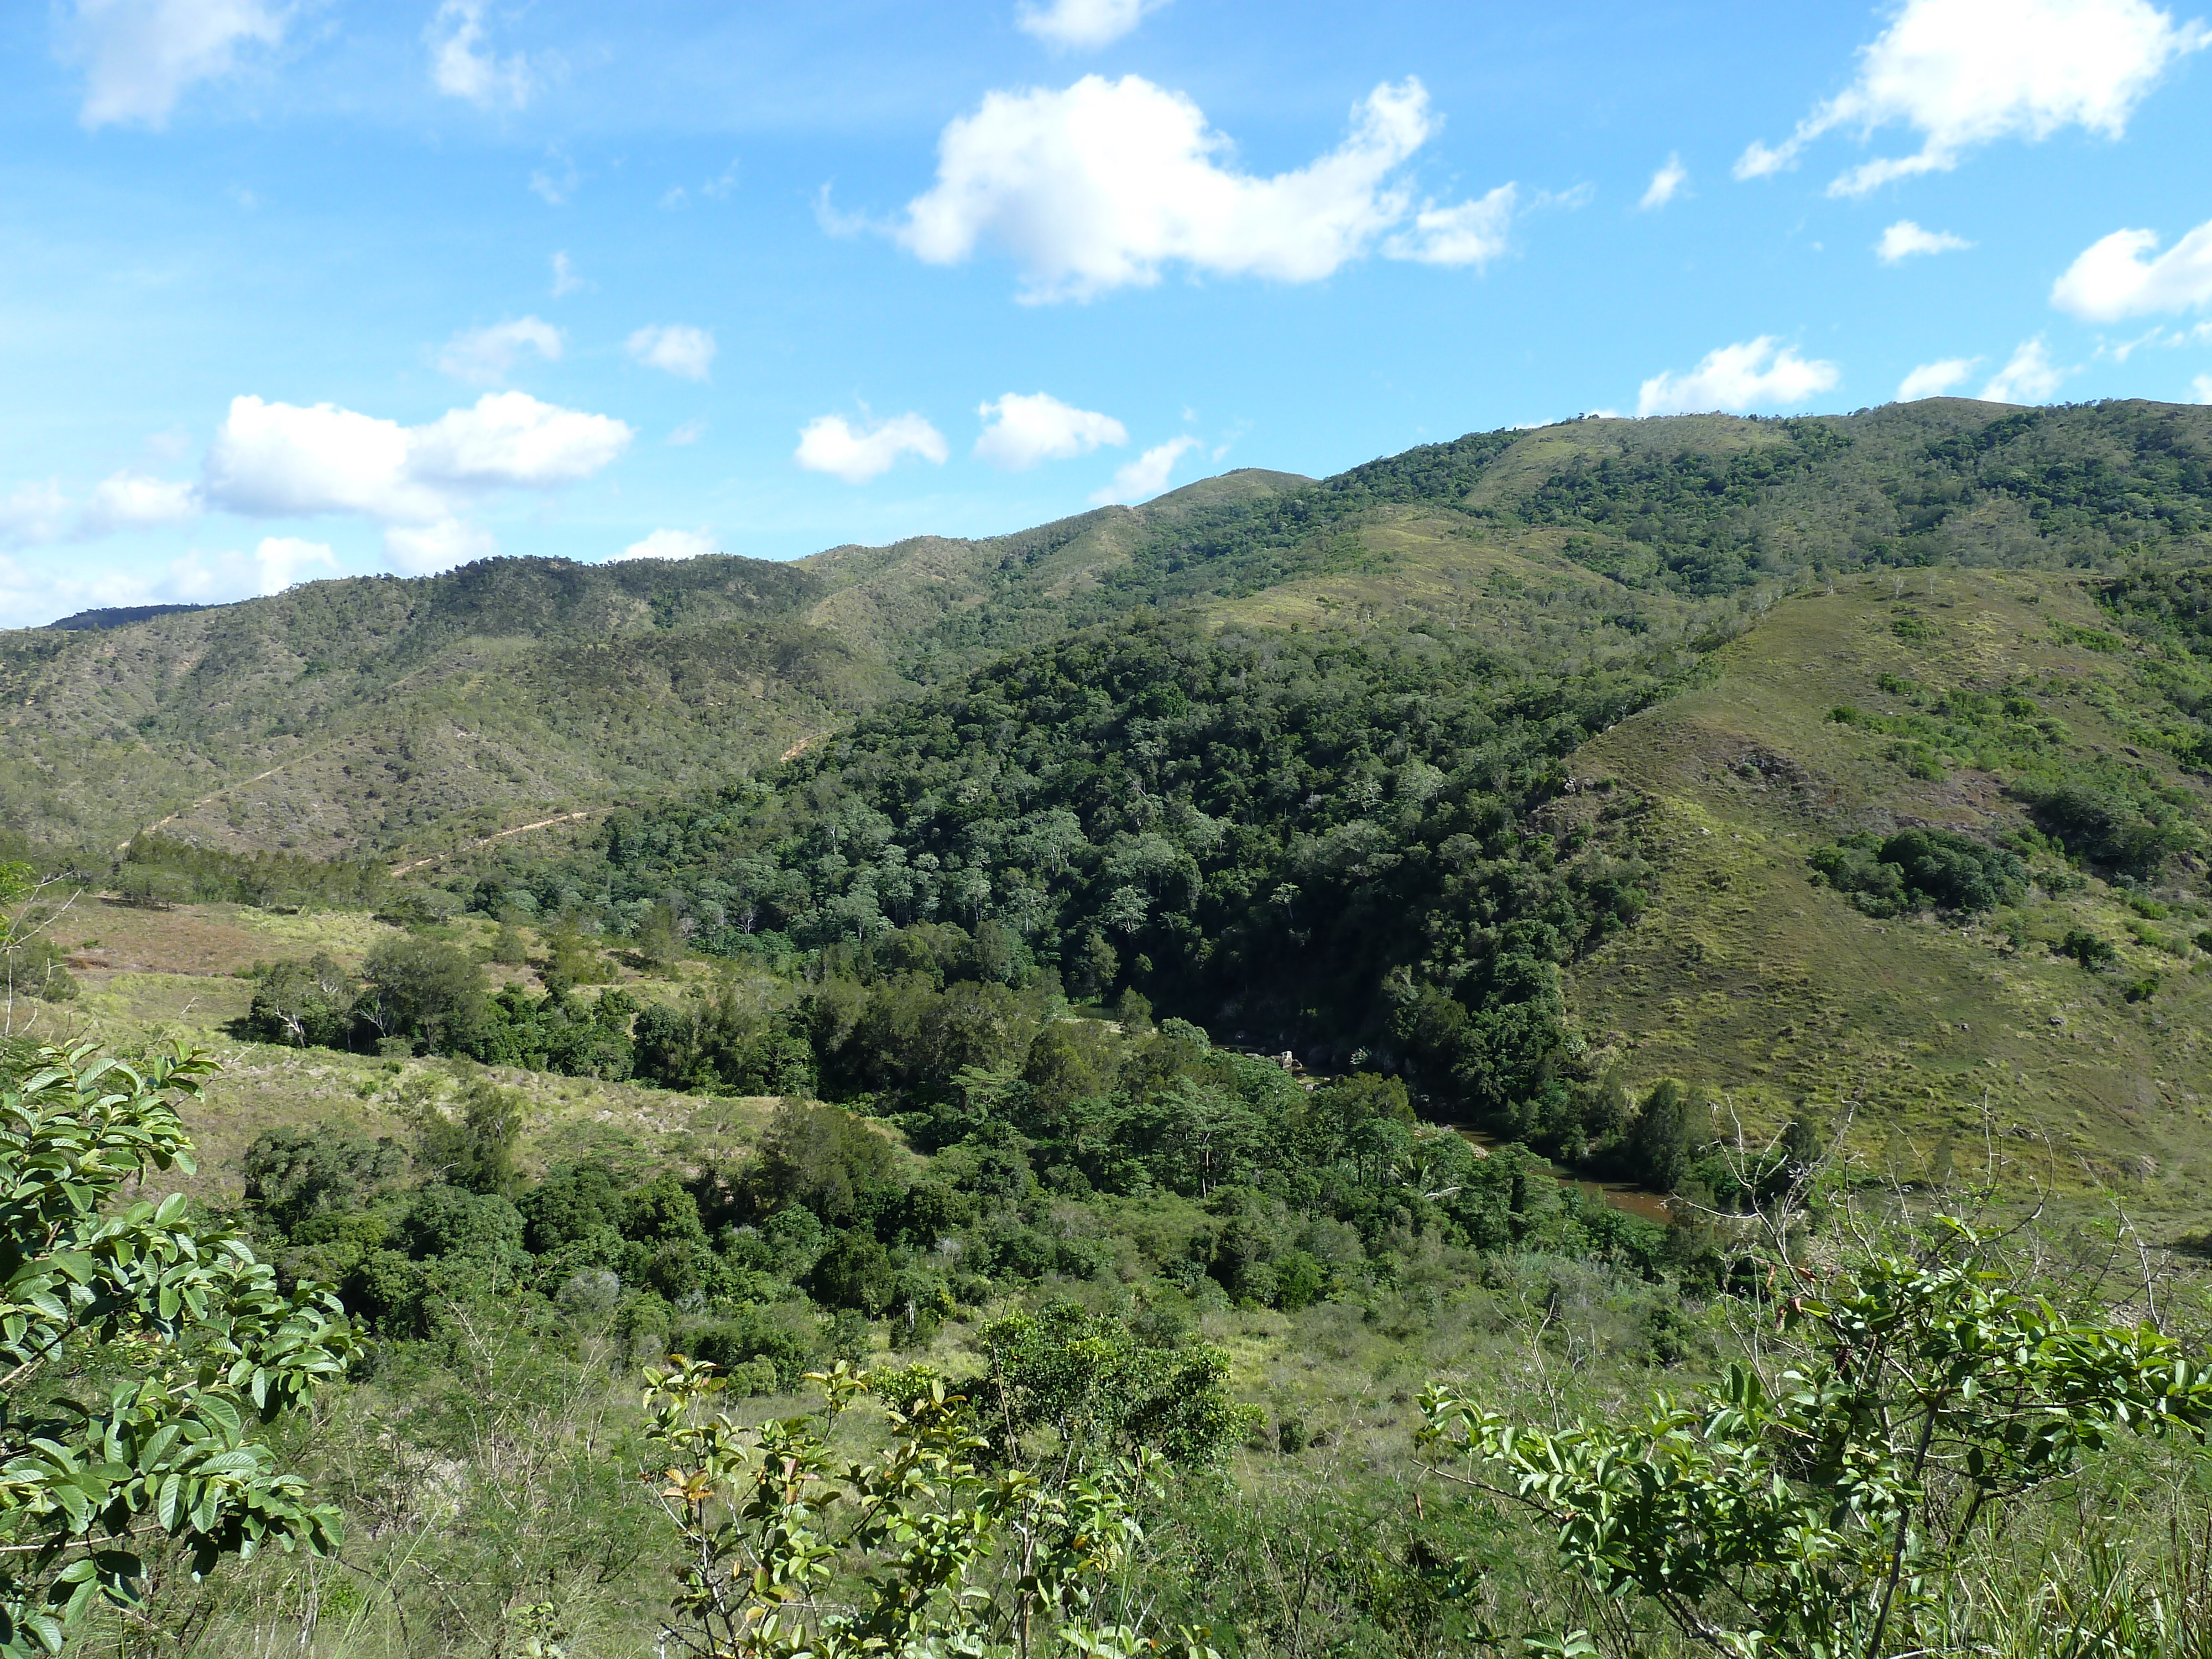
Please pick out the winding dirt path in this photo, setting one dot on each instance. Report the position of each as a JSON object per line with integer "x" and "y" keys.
{"x": 501, "y": 835}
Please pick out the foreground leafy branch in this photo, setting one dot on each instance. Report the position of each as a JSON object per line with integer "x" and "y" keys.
{"x": 1821, "y": 1514}
{"x": 790, "y": 1548}
{"x": 204, "y": 1342}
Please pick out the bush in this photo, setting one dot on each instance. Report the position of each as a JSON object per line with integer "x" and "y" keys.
{"x": 571, "y": 1204}
{"x": 1921, "y": 869}
{"x": 36, "y": 966}
{"x": 446, "y": 1221}
{"x": 429, "y": 992}
{"x": 292, "y": 1174}
{"x": 477, "y": 1154}
{"x": 2094, "y": 954}
{"x": 2132, "y": 835}
{"x": 301, "y": 1004}
{"x": 758, "y": 1337}
{"x": 1660, "y": 1141}
{"x": 827, "y": 1160}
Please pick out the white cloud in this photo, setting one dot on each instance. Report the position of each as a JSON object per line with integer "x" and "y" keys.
{"x": 1066, "y": 24}
{"x": 690, "y": 433}
{"x": 132, "y": 501}
{"x": 1469, "y": 233}
{"x": 556, "y": 189}
{"x": 461, "y": 68}
{"x": 1905, "y": 239}
{"x": 1760, "y": 374}
{"x": 273, "y": 459}
{"x": 1100, "y": 186}
{"x": 425, "y": 550}
{"x": 2029, "y": 378}
{"x": 1934, "y": 380}
{"x": 1665, "y": 183}
{"x": 681, "y": 349}
{"x": 224, "y": 578}
{"x": 281, "y": 559}
{"x": 2112, "y": 278}
{"x": 484, "y": 356}
{"x": 830, "y": 443}
{"x": 565, "y": 280}
{"x": 140, "y": 55}
{"x": 510, "y": 440}
{"x": 2202, "y": 388}
{"x": 31, "y": 514}
{"x": 1019, "y": 430}
{"x": 1967, "y": 72}
{"x": 2159, "y": 336}
{"x": 670, "y": 545}
{"x": 1148, "y": 474}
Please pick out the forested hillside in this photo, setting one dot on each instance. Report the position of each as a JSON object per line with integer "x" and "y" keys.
{"x": 389, "y": 716}
{"x": 1231, "y": 1038}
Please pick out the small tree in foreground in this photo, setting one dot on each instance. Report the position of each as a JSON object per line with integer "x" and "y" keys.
{"x": 790, "y": 1547}
{"x": 201, "y": 1338}
{"x": 1823, "y": 1514}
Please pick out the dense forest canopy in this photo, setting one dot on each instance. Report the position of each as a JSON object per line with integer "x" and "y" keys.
{"x": 1312, "y": 844}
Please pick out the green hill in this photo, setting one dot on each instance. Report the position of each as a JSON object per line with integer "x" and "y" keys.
{"x": 1535, "y": 765}
{"x": 381, "y": 714}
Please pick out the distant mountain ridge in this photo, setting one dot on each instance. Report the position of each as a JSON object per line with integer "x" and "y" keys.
{"x": 117, "y": 615}
{"x": 387, "y": 715}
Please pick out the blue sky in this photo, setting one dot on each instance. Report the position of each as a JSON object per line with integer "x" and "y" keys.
{"x": 297, "y": 287}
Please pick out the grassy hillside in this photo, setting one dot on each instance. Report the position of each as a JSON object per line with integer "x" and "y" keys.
{"x": 1952, "y": 1039}
{"x": 374, "y": 714}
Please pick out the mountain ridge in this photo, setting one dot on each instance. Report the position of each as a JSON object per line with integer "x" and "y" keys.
{"x": 409, "y": 716}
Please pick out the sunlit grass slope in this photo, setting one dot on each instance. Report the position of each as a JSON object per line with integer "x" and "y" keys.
{"x": 1943, "y": 1041}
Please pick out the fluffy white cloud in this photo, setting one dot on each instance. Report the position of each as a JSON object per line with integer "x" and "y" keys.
{"x": 203, "y": 577}
{"x": 1905, "y": 239}
{"x": 1665, "y": 183}
{"x": 1934, "y": 380}
{"x": 132, "y": 501}
{"x": 140, "y": 55}
{"x": 510, "y": 440}
{"x": 1469, "y": 233}
{"x": 276, "y": 460}
{"x": 1066, "y": 24}
{"x": 830, "y": 443}
{"x": 425, "y": 550}
{"x": 1020, "y": 429}
{"x": 670, "y": 545}
{"x": 1966, "y": 72}
{"x": 681, "y": 349}
{"x": 1148, "y": 474}
{"x": 2114, "y": 276}
{"x": 38, "y": 514}
{"x": 282, "y": 558}
{"x": 1100, "y": 186}
{"x": 2202, "y": 386}
{"x": 565, "y": 280}
{"x": 460, "y": 66}
{"x": 1760, "y": 374}
{"x": 31, "y": 513}
{"x": 485, "y": 356}
{"x": 2029, "y": 377}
